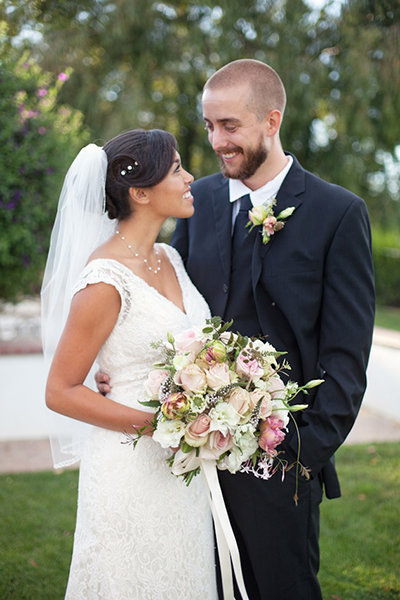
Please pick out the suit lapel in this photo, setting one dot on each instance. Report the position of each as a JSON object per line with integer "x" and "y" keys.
{"x": 223, "y": 224}
{"x": 291, "y": 193}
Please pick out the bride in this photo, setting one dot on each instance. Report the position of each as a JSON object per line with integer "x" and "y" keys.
{"x": 140, "y": 532}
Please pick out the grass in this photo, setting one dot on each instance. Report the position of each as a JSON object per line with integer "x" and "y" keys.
{"x": 388, "y": 317}
{"x": 360, "y": 533}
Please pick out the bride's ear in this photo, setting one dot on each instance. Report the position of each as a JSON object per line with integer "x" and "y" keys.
{"x": 139, "y": 195}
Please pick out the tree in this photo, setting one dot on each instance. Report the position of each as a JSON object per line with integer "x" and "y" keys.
{"x": 38, "y": 140}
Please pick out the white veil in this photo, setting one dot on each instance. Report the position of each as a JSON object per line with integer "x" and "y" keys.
{"x": 81, "y": 225}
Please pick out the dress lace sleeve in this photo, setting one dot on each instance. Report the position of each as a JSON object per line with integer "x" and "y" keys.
{"x": 103, "y": 270}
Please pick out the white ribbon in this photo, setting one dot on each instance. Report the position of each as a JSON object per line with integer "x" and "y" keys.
{"x": 228, "y": 551}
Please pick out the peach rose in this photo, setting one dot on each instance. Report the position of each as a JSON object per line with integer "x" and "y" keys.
{"x": 276, "y": 387}
{"x": 154, "y": 381}
{"x": 218, "y": 376}
{"x": 266, "y": 402}
{"x": 191, "y": 378}
{"x": 197, "y": 432}
{"x": 240, "y": 400}
{"x": 217, "y": 444}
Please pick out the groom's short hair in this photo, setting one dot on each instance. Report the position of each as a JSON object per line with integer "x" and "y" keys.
{"x": 267, "y": 90}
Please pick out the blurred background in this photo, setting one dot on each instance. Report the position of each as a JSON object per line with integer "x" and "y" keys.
{"x": 73, "y": 72}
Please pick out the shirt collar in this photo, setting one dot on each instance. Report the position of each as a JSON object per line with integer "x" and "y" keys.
{"x": 265, "y": 193}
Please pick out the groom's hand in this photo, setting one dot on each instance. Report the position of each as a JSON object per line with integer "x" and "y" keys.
{"x": 102, "y": 380}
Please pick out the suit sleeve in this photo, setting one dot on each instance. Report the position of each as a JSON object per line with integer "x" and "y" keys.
{"x": 346, "y": 328}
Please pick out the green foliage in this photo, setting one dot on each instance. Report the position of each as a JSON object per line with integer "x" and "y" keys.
{"x": 386, "y": 254}
{"x": 143, "y": 64}
{"x": 388, "y": 317}
{"x": 38, "y": 141}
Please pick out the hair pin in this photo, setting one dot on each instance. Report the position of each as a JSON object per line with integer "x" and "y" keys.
{"x": 129, "y": 168}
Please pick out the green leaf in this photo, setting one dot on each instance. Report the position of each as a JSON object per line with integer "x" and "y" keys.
{"x": 150, "y": 403}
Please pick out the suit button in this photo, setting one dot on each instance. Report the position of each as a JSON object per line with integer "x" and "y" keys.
{"x": 273, "y": 303}
{"x": 225, "y": 288}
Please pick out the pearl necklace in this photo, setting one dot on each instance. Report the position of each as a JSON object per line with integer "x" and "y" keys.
{"x": 137, "y": 255}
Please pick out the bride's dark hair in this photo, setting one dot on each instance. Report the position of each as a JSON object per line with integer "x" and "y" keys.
{"x": 136, "y": 158}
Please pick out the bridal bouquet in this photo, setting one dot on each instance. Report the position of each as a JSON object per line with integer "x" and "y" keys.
{"x": 219, "y": 395}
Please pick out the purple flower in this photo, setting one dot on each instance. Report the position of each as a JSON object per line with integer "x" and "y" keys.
{"x": 42, "y": 130}
{"x": 17, "y": 195}
{"x": 63, "y": 77}
{"x": 41, "y": 92}
{"x": 11, "y": 205}
{"x": 49, "y": 171}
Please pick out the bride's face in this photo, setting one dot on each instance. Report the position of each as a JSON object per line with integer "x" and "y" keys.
{"x": 171, "y": 197}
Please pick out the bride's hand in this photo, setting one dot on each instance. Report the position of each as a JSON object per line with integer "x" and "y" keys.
{"x": 102, "y": 384}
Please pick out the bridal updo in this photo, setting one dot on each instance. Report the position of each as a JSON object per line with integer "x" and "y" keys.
{"x": 136, "y": 158}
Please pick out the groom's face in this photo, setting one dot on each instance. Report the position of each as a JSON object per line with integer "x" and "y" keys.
{"x": 235, "y": 132}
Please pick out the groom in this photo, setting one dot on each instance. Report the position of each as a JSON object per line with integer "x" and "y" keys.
{"x": 308, "y": 291}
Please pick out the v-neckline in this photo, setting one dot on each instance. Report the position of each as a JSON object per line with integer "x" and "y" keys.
{"x": 151, "y": 287}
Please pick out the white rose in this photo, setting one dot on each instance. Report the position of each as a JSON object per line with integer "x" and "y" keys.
{"x": 169, "y": 433}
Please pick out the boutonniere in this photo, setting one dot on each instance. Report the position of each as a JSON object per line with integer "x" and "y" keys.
{"x": 264, "y": 216}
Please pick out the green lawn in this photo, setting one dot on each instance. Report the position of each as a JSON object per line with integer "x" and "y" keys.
{"x": 360, "y": 533}
{"x": 388, "y": 317}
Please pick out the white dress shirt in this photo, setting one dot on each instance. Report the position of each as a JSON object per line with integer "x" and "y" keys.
{"x": 263, "y": 195}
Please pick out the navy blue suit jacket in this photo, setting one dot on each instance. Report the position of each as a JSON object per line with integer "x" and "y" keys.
{"x": 313, "y": 285}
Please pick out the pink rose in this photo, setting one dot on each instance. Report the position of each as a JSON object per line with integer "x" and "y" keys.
{"x": 197, "y": 432}
{"x": 175, "y": 406}
{"x": 191, "y": 378}
{"x": 218, "y": 376}
{"x": 240, "y": 400}
{"x": 187, "y": 341}
{"x": 271, "y": 435}
{"x": 154, "y": 381}
{"x": 269, "y": 225}
{"x": 216, "y": 445}
{"x": 247, "y": 366}
{"x": 266, "y": 402}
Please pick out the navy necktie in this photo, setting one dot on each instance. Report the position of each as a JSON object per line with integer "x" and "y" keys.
{"x": 241, "y": 305}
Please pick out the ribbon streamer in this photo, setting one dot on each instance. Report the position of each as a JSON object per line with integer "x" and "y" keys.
{"x": 228, "y": 551}
{"x": 226, "y": 542}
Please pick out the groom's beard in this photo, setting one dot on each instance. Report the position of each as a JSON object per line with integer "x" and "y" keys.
{"x": 252, "y": 160}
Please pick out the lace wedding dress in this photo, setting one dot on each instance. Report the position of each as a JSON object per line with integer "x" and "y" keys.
{"x": 141, "y": 533}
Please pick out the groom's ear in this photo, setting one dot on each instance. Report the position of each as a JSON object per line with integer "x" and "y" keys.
{"x": 139, "y": 195}
{"x": 272, "y": 122}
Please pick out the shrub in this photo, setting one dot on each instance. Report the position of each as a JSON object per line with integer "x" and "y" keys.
{"x": 386, "y": 253}
{"x": 38, "y": 141}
